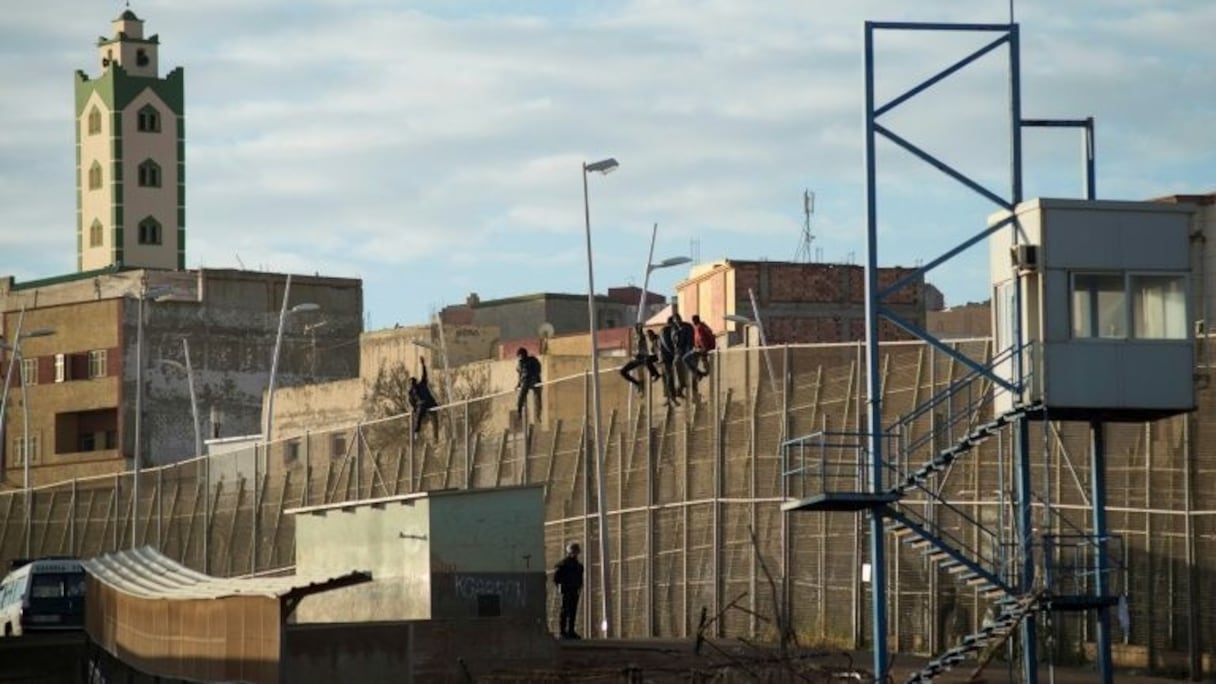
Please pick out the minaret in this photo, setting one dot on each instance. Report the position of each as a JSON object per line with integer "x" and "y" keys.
{"x": 130, "y": 156}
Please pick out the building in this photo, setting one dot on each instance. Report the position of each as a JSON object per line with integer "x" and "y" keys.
{"x": 970, "y": 320}
{"x": 797, "y": 302}
{"x": 89, "y": 403}
{"x": 81, "y": 381}
{"x": 130, "y": 156}
{"x": 546, "y": 314}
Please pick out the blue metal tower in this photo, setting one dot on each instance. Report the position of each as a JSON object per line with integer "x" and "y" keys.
{"x": 883, "y": 483}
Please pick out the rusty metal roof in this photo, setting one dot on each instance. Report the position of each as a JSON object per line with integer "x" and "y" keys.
{"x": 147, "y": 573}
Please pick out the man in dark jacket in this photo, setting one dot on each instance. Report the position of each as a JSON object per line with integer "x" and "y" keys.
{"x": 667, "y": 355}
{"x": 568, "y": 576}
{"x": 686, "y": 367}
{"x": 422, "y": 401}
{"x": 642, "y": 356}
{"x": 529, "y": 381}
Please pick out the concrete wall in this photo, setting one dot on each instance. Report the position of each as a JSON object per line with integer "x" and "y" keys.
{"x": 390, "y": 540}
{"x": 488, "y": 554}
{"x": 457, "y": 554}
{"x": 464, "y": 344}
{"x": 960, "y": 322}
{"x": 432, "y": 651}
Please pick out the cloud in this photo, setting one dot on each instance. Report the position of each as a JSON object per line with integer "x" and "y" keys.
{"x": 434, "y": 148}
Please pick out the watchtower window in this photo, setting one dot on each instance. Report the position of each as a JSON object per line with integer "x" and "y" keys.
{"x": 95, "y": 234}
{"x": 1158, "y": 306}
{"x": 148, "y": 120}
{"x": 95, "y": 176}
{"x": 94, "y": 121}
{"x": 1099, "y": 305}
{"x": 149, "y": 232}
{"x": 149, "y": 174}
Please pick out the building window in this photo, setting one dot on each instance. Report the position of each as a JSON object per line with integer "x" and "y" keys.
{"x": 149, "y": 232}
{"x": 292, "y": 453}
{"x": 31, "y": 449}
{"x": 97, "y": 363}
{"x": 95, "y": 176}
{"x": 148, "y": 120}
{"x": 1099, "y": 306}
{"x": 96, "y": 234}
{"x": 1158, "y": 307}
{"x": 1105, "y": 305}
{"x": 29, "y": 371}
{"x": 94, "y": 121}
{"x": 61, "y": 368}
{"x": 149, "y": 174}
{"x": 337, "y": 446}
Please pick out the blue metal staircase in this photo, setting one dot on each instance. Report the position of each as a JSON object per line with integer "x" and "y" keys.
{"x": 943, "y": 458}
{"x": 1010, "y": 613}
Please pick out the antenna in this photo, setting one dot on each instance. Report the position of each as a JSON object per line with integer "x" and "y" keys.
{"x": 694, "y": 250}
{"x": 804, "y": 245}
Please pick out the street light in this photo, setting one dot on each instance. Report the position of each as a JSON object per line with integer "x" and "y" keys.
{"x": 155, "y": 293}
{"x": 604, "y": 166}
{"x": 274, "y": 361}
{"x": 744, "y": 320}
{"x": 651, "y": 267}
{"x": 15, "y": 347}
{"x": 198, "y": 441}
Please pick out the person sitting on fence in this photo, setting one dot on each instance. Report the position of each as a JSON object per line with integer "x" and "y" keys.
{"x": 642, "y": 356}
{"x": 422, "y": 401}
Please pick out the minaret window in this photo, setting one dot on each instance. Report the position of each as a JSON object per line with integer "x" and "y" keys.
{"x": 94, "y": 121}
{"x": 149, "y": 174}
{"x": 95, "y": 234}
{"x": 95, "y": 176}
{"x": 149, "y": 231}
{"x": 148, "y": 120}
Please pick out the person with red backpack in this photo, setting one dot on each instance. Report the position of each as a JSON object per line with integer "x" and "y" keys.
{"x": 703, "y": 342}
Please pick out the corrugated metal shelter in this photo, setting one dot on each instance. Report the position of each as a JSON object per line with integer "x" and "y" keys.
{"x": 164, "y": 619}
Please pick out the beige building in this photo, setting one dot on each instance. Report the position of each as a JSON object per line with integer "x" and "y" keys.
{"x": 80, "y": 379}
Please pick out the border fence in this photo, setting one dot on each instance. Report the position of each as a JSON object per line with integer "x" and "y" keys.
{"x": 692, "y": 502}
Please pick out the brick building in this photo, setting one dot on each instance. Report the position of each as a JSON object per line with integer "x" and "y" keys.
{"x": 797, "y": 302}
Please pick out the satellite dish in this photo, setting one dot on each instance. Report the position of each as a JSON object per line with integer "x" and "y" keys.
{"x": 544, "y": 330}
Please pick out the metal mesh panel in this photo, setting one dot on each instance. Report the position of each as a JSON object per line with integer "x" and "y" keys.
{"x": 686, "y": 487}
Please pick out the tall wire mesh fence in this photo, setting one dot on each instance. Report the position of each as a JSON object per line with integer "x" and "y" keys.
{"x": 692, "y": 500}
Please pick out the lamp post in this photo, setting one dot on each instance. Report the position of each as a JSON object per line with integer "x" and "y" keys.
{"x": 744, "y": 320}
{"x": 145, "y": 293}
{"x": 651, "y": 267}
{"x": 274, "y": 361}
{"x": 198, "y": 442}
{"x": 603, "y": 166}
{"x": 311, "y": 331}
{"x": 15, "y": 347}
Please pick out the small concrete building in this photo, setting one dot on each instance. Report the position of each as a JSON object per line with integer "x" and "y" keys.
{"x": 453, "y": 554}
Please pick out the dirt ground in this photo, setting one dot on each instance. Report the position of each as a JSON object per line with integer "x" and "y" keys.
{"x": 659, "y": 661}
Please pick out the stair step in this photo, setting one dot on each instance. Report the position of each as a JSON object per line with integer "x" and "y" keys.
{"x": 979, "y": 580}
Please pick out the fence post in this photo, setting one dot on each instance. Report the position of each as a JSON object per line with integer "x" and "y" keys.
{"x": 358, "y": 470}
{"x": 253, "y": 539}
{"x": 468, "y": 452}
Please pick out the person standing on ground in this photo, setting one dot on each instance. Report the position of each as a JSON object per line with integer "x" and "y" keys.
{"x": 568, "y": 576}
{"x": 422, "y": 401}
{"x": 529, "y": 381}
{"x": 642, "y": 356}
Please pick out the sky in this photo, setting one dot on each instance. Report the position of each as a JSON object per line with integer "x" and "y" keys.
{"x": 435, "y": 149}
